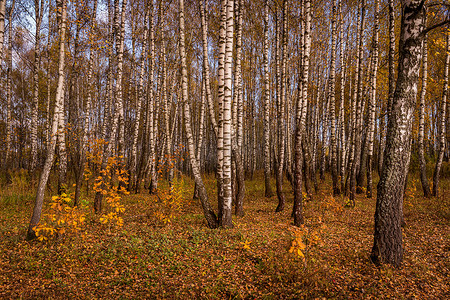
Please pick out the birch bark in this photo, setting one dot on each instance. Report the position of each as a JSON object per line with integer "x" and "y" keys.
{"x": 62, "y": 13}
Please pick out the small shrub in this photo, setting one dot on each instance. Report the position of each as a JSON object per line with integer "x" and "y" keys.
{"x": 61, "y": 219}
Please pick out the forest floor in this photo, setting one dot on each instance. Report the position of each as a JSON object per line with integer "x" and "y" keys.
{"x": 146, "y": 258}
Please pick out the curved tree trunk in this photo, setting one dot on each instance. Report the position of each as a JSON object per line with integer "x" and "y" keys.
{"x": 387, "y": 246}
{"x": 207, "y": 210}
{"x": 61, "y": 6}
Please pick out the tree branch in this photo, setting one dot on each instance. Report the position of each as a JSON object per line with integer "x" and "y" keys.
{"x": 426, "y": 30}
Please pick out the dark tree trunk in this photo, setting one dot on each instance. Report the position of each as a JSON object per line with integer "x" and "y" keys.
{"x": 387, "y": 246}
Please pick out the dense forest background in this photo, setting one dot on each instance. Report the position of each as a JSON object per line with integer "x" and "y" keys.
{"x": 188, "y": 116}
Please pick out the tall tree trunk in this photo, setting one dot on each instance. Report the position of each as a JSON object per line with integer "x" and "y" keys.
{"x": 387, "y": 246}
{"x": 85, "y": 133}
{"x": 9, "y": 132}
{"x": 281, "y": 116}
{"x": 391, "y": 63}
{"x": 207, "y": 210}
{"x": 423, "y": 165}
{"x": 221, "y": 95}
{"x": 31, "y": 234}
{"x": 332, "y": 112}
{"x": 437, "y": 169}
{"x": 300, "y": 118}
{"x": 356, "y": 105}
{"x": 151, "y": 163}
{"x": 344, "y": 143}
{"x": 134, "y": 158}
{"x": 2, "y": 26}
{"x": 38, "y": 8}
{"x": 225, "y": 220}
{"x": 238, "y": 104}
{"x": 268, "y": 189}
{"x": 372, "y": 101}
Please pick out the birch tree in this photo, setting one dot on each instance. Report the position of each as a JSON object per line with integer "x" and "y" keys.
{"x": 38, "y": 8}
{"x": 9, "y": 105}
{"x": 442, "y": 113}
{"x": 2, "y": 26}
{"x": 62, "y": 13}
{"x": 300, "y": 119}
{"x": 372, "y": 100}
{"x": 388, "y": 246}
{"x": 225, "y": 220}
{"x": 268, "y": 190}
{"x": 332, "y": 112}
{"x": 422, "y": 163}
{"x": 281, "y": 97}
{"x": 207, "y": 210}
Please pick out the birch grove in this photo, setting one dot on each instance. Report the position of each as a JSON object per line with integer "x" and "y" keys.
{"x": 307, "y": 98}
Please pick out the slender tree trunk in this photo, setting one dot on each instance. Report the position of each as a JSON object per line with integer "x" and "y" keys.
{"x": 281, "y": 116}
{"x": 38, "y": 8}
{"x": 423, "y": 165}
{"x": 356, "y": 105}
{"x": 221, "y": 93}
{"x": 134, "y": 158}
{"x": 2, "y": 26}
{"x": 85, "y": 134}
{"x": 61, "y": 6}
{"x": 387, "y": 246}
{"x": 238, "y": 104}
{"x": 9, "y": 132}
{"x": 268, "y": 189}
{"x": 344, "y": 143}
{"x": 372, "y": 101}
{"x": 207, "y": 210}
{"x": 225, "y": 220}
{"x": 300, "y": 119}
{"x": 441, "y": 151}
{"x": 332, "y": 112}
{"x": 391, "y": 63}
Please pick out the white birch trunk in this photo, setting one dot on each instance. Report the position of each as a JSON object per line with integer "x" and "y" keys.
{"x": 61, "y": 6}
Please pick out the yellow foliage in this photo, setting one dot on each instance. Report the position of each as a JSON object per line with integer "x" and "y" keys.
{"x": 62, "y": 218}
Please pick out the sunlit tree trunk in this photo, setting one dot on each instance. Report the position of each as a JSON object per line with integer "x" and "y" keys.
{"x": 423, "y": 165}
{"x": 268, "y": 189}
{"x": 344, "y": 143}
{"x": 9, "y": 132}
{"x": 238, "y": 104}
{"x": 332, "y": 112}
{"x": 225, "y": 220}
{"x": 356, "y": 106}
{"x": 151, "y": 163}
{"x": 220, "y": 94}
{"x": 2, "y": 26}
{"x": 387, "y": 246}
{"x": 61, "y": 6}
{"x": 38, "y": 8}
{"x": 372, "y": 100}
{"x": 300, "y": 118}
{"x": 281, "y": 116}
{"x": 442, "y": 113}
